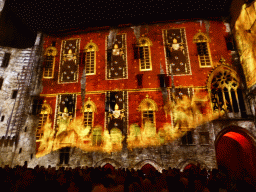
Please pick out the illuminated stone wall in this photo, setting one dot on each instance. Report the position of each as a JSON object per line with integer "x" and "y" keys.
{"x": 170, "y": 152}
{"x": 244, "y": 32}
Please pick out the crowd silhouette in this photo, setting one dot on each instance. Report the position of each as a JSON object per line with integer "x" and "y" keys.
{"x": 21, "y": 179}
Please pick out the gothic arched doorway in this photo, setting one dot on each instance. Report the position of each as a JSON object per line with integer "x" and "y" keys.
{"x": 108, "y": 166}
{"x": 147, "y": 168}
{"x": 235, "y": 153}
{"x": 190, "y": 166}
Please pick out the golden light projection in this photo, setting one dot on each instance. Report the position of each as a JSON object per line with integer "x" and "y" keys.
{"x": 186, "y": 113}
{"x": 246, "y": 39}
{"x": 75, "y": 134}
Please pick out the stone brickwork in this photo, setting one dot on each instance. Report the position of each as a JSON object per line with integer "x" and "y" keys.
{"x": 175, "y": 154}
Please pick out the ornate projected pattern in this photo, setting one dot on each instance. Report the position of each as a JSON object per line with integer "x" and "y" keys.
{"x": 68, "y": 71}
{"x": 176, "y": 51}
{"x": 116, "y": 58}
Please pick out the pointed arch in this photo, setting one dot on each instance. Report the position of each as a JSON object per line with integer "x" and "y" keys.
{"x": 51, "y": 51}
{"x": 89, "y": 109}
{"x": 91, "y": 47}
{"x": 148, "y": 161}
{"x": 90, "y": 58}
{"x": 90, "y": 106}
{"x": 48, "y": 70}
{"x": 225, "y": 91}
{"x": 202, "y": 43}
{"x": 144, "y": 44}
{"x": 201, "y": 37}
{"x": 46, "y": 110}
{"x": 148, "y": 107}
{"x": 148, "y": 104}
{"x": 105, "y": 161}
{"x": 144, "y": 41}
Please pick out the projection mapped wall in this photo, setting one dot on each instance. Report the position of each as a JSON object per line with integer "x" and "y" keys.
{"x": 189, "y": 109}
{"x": 245, "y": 36}
{"x": 121, "y": 105}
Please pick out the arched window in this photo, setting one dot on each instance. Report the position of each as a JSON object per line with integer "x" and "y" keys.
{"x": 202, "y": 43}
{"x": 97, "y": 136}
{"x": 148, "y": 107}
{"x": 43, "y": 116}
{"x": 50, "y": 54}
{"x": 90, "y": 58}
{"x": 144, "y": 44}
{"x": 226, "y": 94}
{"x": 89, "y": 109}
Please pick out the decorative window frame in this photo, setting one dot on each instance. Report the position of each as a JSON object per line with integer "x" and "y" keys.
{"x": 221, "y": 69}
{"x": 145, "y": 42}
{"x": 93, "y": 109}
{"x": 148, "y": 104}
{"x": 89, "y": 48}
{"x": 46, "y": 110}
{"x": 63, "y": 55}
{"x": 50, "y": 52}
{"x": 206, "y": 40}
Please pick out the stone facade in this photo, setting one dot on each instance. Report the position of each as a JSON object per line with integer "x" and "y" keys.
{"x": 24, "y": 146}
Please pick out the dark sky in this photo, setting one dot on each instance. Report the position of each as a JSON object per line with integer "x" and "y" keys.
{"x": 52, "y": 16}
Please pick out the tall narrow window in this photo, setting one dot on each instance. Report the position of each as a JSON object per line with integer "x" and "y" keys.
{"x": 44, "y": 114}
{"x": 202, "y": 43}
{"x": 144, "y": 44}
{"x": 97, "y": 136}
{"x": 49, "y": 63}
{"x": 6, "y": 60}
{"x": 90, "y": 58}
{"x": 14, "y": 94}
{"x": 187, "y": 139}
{"x": 89, "y": 109}
{"x": 1, "y": 83}
{"x": 148, "y": 108}
{"x": 225, "y": 92}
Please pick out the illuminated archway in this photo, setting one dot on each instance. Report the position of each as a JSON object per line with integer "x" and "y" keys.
{"x": 190, "y": 163}
{"x": 235, "y": 152}
{"x": 105, "y": 161}
{"x": 150, "y": 162}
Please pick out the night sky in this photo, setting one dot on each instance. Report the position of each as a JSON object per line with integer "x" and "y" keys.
{"x": 53, "y": 16}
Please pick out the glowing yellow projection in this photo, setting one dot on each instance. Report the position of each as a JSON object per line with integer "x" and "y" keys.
{"x": 245, "y": 36}
{"x": 186, "y": 114}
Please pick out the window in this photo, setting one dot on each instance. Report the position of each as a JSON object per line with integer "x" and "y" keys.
{"x": 64, "y": 155}
{"x": 2, "y": 118}
{"x": 49, "y": 63}
{"x": 90, "y": 63}
{"x": 14, "y": 94}
{"x": 97, "y": 136}
{"x": 39, "y": 131}
{"x": 148, "y": 116}
{"x": 204, "y": 138}
{"x": 48, "y": 69}
{"x": 6, "y": 60}
{"x": 187, "y": 138}
{"x": 90, "y": 58}
{"x": 144, "y": 44}
{"x": 88, "y": 110}
{"x": 148, "y": 108}
{"x": 1, "y": 83}
{"x": 44, "y": 114}
{"x": 202, "y": 43}
{"x": 88, "y": 119}
{"x": 226, "y": 95}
